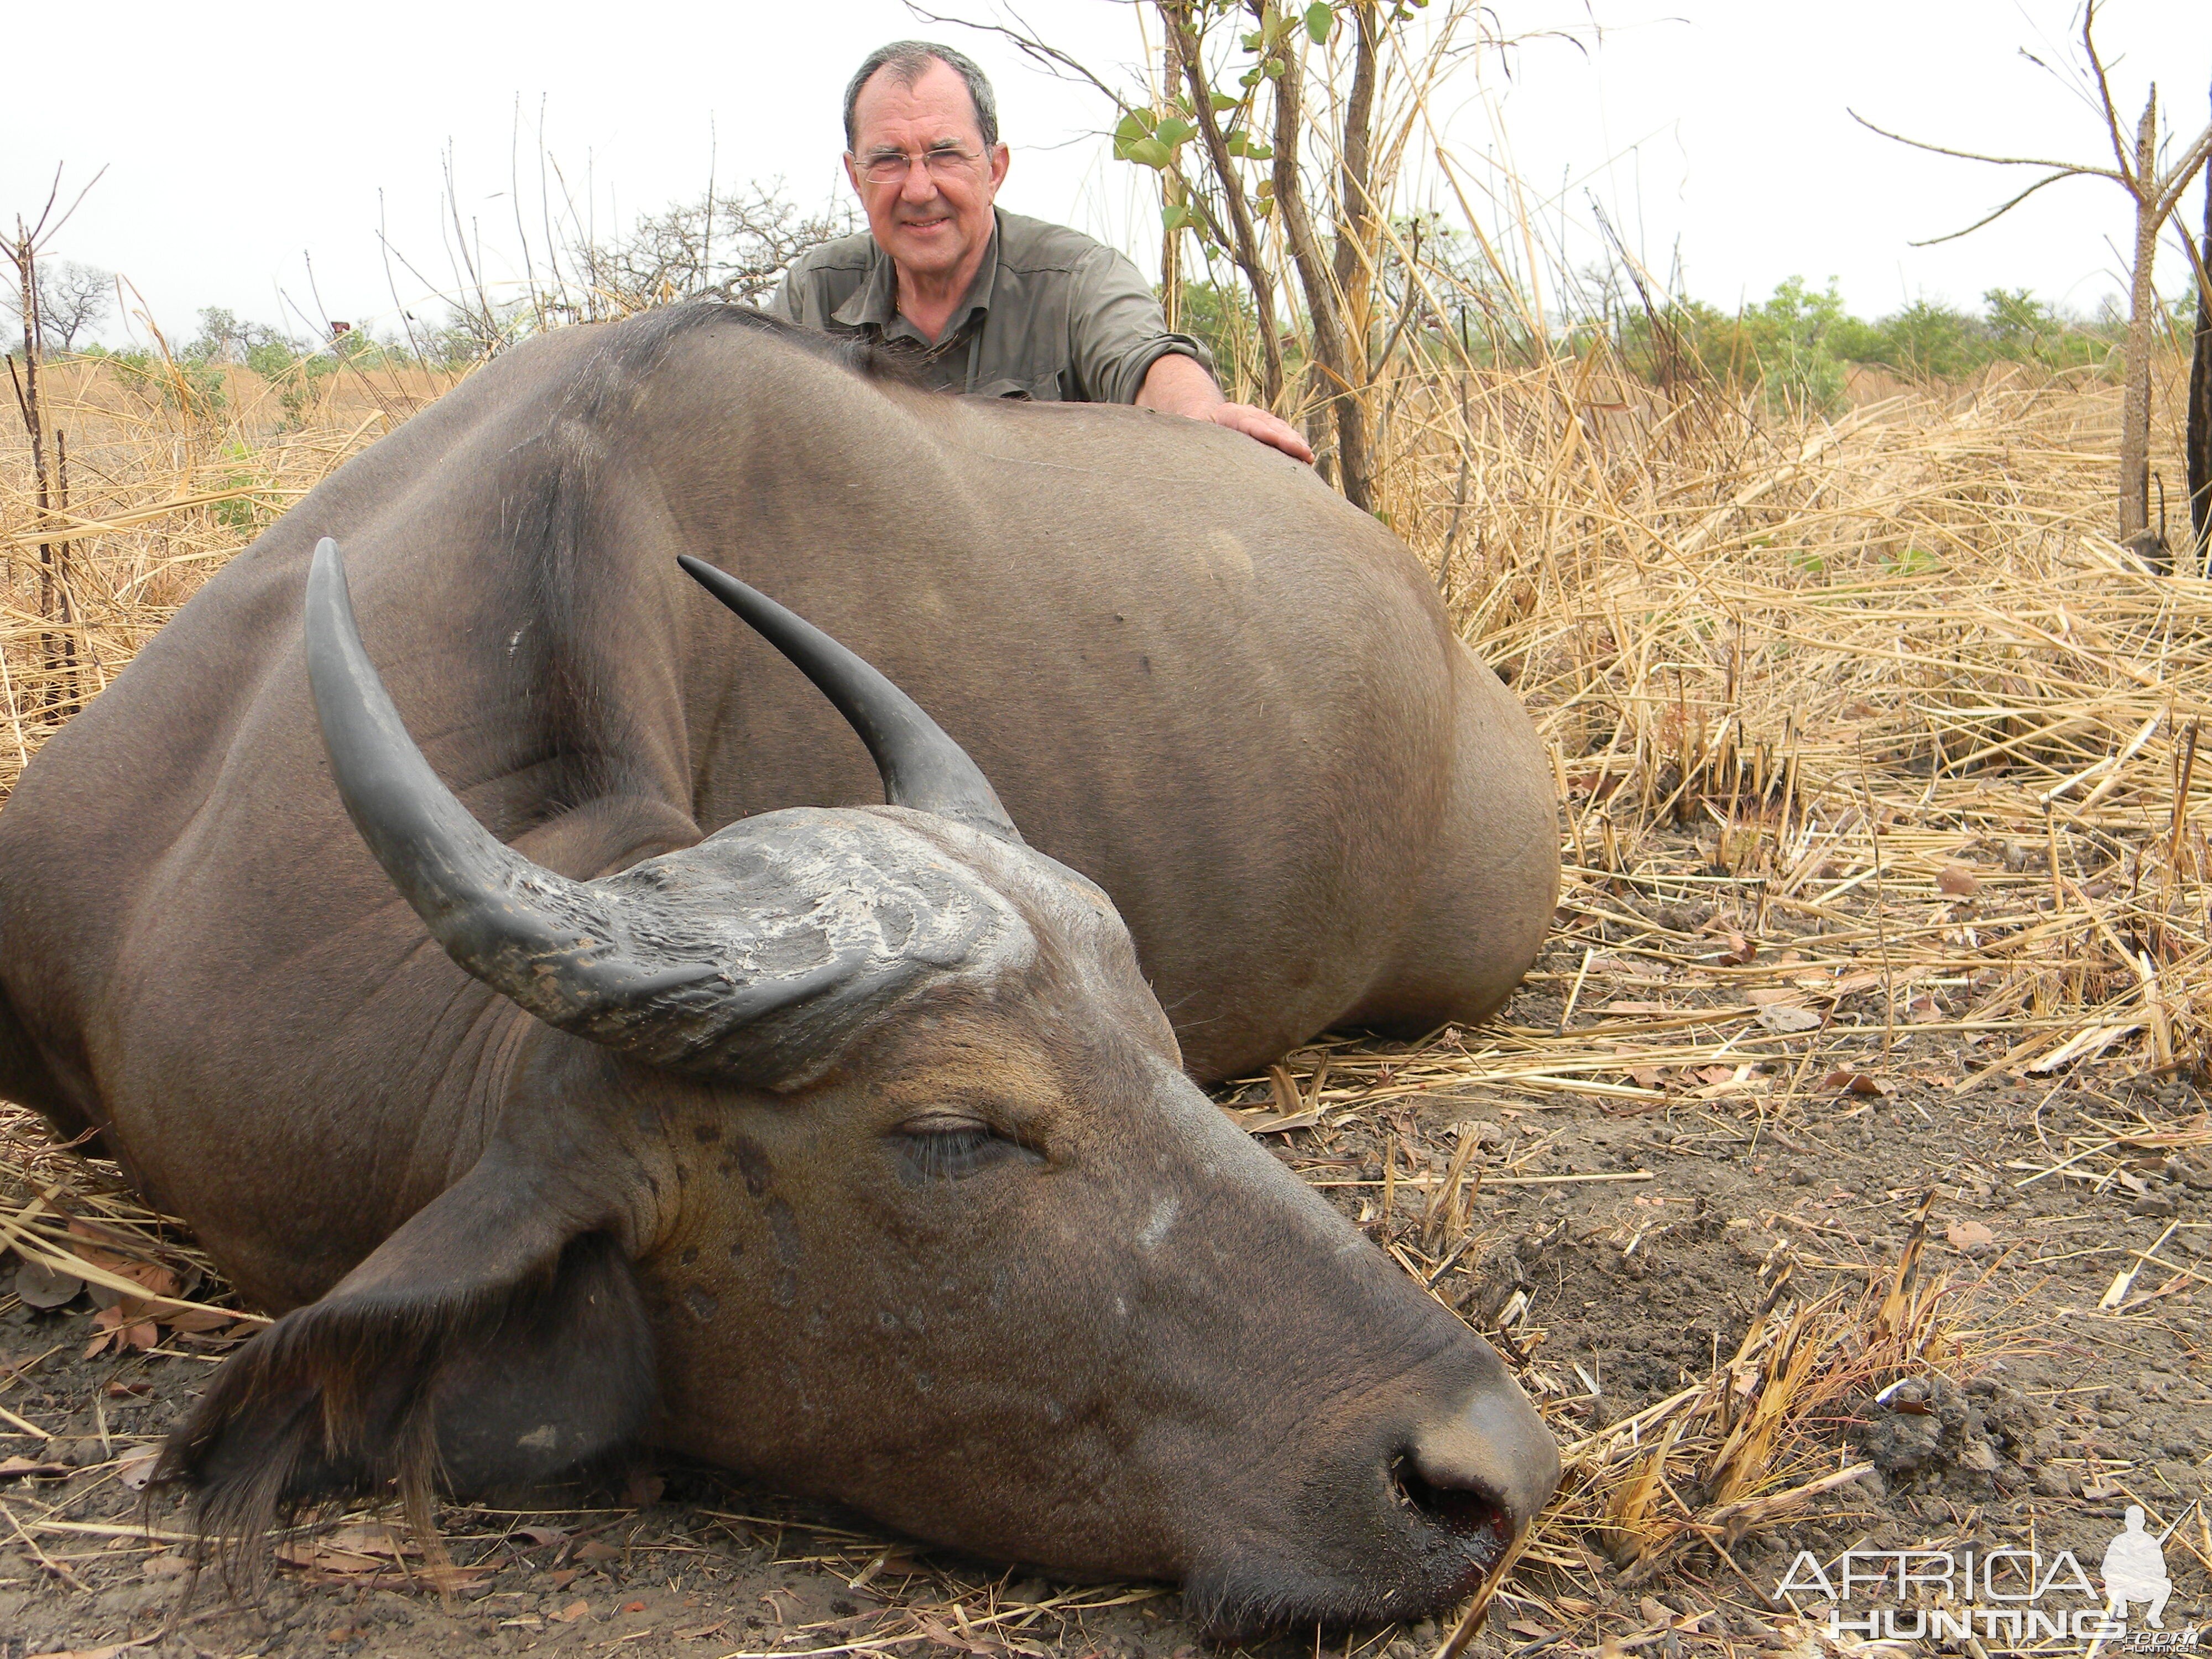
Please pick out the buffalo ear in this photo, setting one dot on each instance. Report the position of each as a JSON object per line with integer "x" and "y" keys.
{"x": 490, "y": 1340}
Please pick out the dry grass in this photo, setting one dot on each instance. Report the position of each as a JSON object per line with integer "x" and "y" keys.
{"x": 1896, "y": 657}
{"x": 167, "y": 473}
{"x": 1904, "y": 741}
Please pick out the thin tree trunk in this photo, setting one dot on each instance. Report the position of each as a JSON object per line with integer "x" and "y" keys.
{"x": 1171, "y": 259}
{"x": 25, "y": 252}
{"x": 2142, "y": 300}
{"x": 66, "y": 608}
{"x": 1172, "y": 191}
{"x": 2200, "y": 396}
{"x": 1354, "y": 265}
{"x": 1331, "y": 377}
{"x": 1243, "y": 242}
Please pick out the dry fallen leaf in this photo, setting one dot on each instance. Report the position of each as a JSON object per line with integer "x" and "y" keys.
{"x": 41, "y": 1286}
{"x": 371, "y": 1539}
{"x": 598, "y": 1549}
{"x": 1970, "y": 1235}
{"x": 1740, "y": 951}
{"x": 1856, "y": 1083}
{"x": 1765, "y": 996}
{"x": 11, "y": 1467}
{"x": 1959, "y": 881}
{"x": 572, "y": 1613}
{"x": 1785, "y": 1018}
{"x": 121, "y": 1326}
{"x": 322, "y": 1558}
{"x": 135, "y": 1470}
{"x": 195, "y": 1320}
{"x": 1265, "y": 1124}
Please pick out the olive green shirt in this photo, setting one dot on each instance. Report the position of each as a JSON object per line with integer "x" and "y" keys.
{"x": 1051, "y": 315}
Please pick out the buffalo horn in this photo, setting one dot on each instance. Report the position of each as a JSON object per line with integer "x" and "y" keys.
{"x": 922, "y": 766}
{"x": 542, "y": 940}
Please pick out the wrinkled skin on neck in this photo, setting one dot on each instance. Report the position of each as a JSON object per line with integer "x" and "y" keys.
{"x": 1005, "y": 1279}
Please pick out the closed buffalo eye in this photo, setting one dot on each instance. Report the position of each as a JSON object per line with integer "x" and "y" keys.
{"x": 954, "y": 1151}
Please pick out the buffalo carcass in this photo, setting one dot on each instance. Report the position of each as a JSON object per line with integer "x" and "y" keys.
{"x": 845, "y": 1143}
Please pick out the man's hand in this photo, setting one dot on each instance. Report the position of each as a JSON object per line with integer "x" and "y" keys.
{"x": 1259, "y": 423}
{"x": 1176, "y": 384}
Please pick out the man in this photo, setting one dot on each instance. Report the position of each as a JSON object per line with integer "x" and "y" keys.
{"x": 992, "y": 302}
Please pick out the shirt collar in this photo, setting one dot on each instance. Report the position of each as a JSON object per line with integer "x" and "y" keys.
{"x": 875, "y": 301}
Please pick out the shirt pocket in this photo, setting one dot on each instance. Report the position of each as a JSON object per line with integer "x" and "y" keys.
{"x": 1044, "y": 389}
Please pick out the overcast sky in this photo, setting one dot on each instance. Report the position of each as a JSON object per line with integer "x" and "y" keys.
{"x": 254, "y": 150}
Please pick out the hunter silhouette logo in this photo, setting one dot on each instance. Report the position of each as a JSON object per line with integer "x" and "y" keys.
{"x": 2134, "y": 1571}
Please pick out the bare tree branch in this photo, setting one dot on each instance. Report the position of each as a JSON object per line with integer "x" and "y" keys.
{"x": 1059, "y": 64}
{"x": 1976, "y": 155}
{"x": 2064, "y": 172}
{"x": 2106, "y": 105}
{"x": 2178, "y": 177}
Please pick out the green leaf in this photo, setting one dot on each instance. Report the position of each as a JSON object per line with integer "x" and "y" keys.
{"x": 1175, "y": 215}
{"x": 1133, "y": 126}
{"x": 1222, "y": 100}
{"x": 1175, "y": 131}
{"x": 1319, "y": 21}
{"x": 1254, "y": 41}
{"x": 1149, "y": 153}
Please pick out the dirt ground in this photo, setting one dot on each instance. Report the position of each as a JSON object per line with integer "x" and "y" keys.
{"x": 1618, "y": 1244}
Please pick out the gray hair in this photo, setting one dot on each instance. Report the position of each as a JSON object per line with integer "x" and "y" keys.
{"x": 907, "y": 60}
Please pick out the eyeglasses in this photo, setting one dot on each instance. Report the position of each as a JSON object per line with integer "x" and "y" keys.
{"x": 890, "y": 167}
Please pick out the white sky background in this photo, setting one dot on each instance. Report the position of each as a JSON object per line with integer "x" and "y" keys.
{"x": 244, "y": 140}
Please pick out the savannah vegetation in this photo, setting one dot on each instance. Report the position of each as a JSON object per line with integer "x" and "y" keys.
{"x": 1873, "y": 657}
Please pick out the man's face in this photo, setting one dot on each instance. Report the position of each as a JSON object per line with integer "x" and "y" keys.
{"x": 934, "y": 216}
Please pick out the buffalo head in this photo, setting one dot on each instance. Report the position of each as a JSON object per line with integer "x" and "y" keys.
{"x": 850, "y": 1149}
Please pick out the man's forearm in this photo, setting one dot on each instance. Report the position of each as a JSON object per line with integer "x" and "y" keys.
{"x": 1176, "y": 384}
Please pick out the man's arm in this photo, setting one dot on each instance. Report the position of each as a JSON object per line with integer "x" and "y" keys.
{"x": 1176, "y": 384}
{"x": 1118, "y": 333}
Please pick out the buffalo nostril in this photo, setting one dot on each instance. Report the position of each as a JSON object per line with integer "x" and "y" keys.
{"x": 1482, "y": 1472}
{"x": 1472, "y": 1511}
